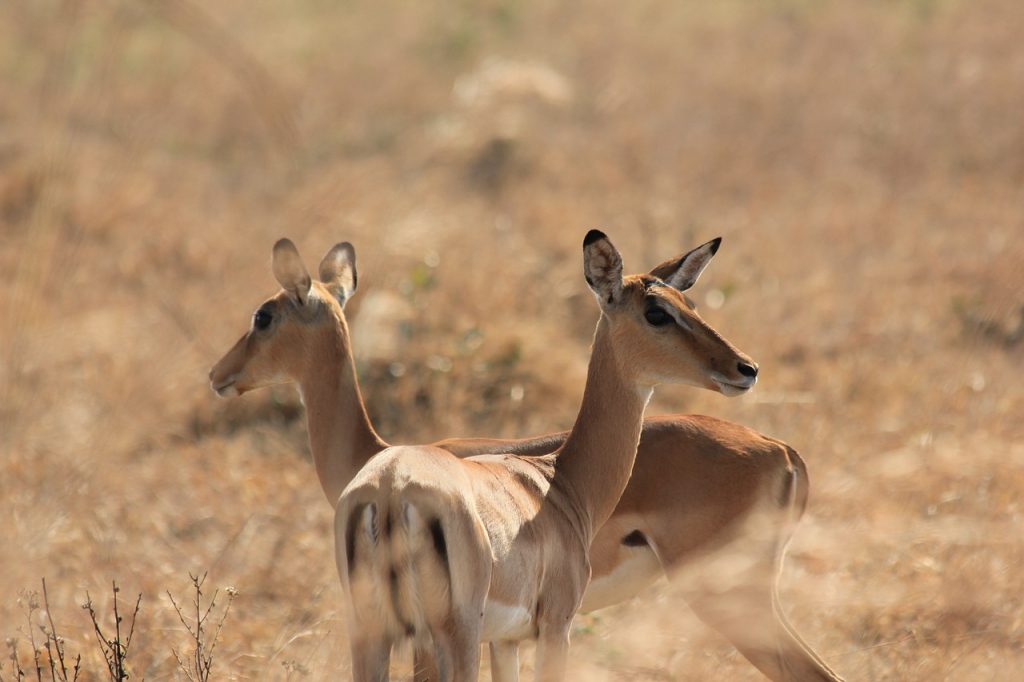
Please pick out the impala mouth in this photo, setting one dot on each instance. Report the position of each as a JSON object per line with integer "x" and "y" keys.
{"x": 226, "y": 388}
{"x": 732, "y": 388}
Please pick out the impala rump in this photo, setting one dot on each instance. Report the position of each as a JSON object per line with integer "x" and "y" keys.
{"x": 400, "y": 552}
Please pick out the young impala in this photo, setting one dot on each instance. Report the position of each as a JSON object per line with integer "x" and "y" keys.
{"x": 695, "y": 482}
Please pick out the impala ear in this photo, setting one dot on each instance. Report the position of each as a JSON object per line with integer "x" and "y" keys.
{"x": 682, "y": 273}
{"x": 338, "y": 271}
{"x": 602, "y": 268}
{"x": 290, "y": 272}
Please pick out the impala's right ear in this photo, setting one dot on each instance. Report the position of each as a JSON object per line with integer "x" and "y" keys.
{"x": 338, "y": 271}
{"x": 602, "y": 268}
{"x": 683, "y": 272}
{"x": 290, "y": 272}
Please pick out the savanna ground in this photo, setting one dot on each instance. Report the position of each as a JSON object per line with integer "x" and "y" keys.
{"x": 863, "y": 160}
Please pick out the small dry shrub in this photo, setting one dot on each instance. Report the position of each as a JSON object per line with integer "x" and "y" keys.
{"x": 198, "y": 666}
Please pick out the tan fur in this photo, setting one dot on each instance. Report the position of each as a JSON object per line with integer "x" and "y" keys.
{"x": 696, "y": 479}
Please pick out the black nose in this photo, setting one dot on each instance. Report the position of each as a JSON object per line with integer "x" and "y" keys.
{"x": 747, "y": 370}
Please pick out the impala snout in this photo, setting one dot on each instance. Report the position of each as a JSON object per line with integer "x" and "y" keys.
{"x": 740, "y": 380}
{"x": 225, "y": 374}
{"x": 747, "y": 369}
{"x": 225, "y": 387}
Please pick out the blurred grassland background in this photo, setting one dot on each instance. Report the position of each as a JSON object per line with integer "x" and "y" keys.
{"x": 863, "y": 160}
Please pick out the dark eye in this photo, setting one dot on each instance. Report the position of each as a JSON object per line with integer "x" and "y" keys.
{"x": 261, "y": 319}
{"x": 657, "y": 317}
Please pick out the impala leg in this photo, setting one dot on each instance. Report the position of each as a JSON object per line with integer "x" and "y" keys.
{"x": 424, "y": 665}
{"x": 469, "y": 557}
{"x": 458, "y": 654}
{"x": 371, "y": 659}
{"x": 750, "y": 616}
{"x": 504, "y": 661}
{"x": 744, "y": 616}
{"x": 799, "y": 659}
{"x": 466, "y": 658}
{"x": 552, "y": 652}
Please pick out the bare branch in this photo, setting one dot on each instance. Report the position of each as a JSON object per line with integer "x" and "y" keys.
{"x": 200, "y": 663}
{"x": 115, "y": 650}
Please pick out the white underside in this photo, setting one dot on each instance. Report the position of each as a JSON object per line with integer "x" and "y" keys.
{"x": 640, "y": 570}
{"x": 637, "y": 572}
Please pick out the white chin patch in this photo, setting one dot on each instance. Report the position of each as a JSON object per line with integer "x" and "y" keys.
{"x": 730, "y": 390}
{"x": 228, "y": 392}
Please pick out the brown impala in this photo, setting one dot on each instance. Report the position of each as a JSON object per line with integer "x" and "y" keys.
{"x": 695, "y": 482}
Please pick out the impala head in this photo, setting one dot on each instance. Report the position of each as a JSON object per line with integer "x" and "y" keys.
{"x": 291, "y": 332}
{"x": 656, "y": 330}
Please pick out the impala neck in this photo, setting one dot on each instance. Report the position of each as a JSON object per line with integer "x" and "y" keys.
{"x": 341, "y": 436}
{"x": 596, "y": 460}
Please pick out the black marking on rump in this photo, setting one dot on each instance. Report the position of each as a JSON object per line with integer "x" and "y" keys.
{"x": 440, "y": 546}
{"x": 350, "y": 534}
{"x": 396, "y": 604}
{"x": 635, "y": 539}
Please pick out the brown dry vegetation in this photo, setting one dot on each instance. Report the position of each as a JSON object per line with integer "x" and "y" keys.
{"x": 863, "y": 160}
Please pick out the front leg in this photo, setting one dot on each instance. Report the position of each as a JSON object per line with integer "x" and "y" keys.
{"x": 552, "y": 650}
{"x": 557, "y": 606}
{"x": 505, "y": 661}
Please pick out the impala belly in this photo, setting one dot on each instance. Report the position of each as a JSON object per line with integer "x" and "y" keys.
{"x": 637, "y": 568}
{"x": 502, "y": 621}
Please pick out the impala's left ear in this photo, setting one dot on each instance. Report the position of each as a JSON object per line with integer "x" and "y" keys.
{"x": 290, "y": 272}
{"x": 602, "y": 267}
{"x": 682, "y": 273}
{"x": 338, "y": 271}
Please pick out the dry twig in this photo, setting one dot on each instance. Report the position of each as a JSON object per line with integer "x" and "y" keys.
{"x": 53, "y": 644}
{"x": 197, "y": 668}
{"x": 115, "y": 649}
{"x": 17, "y": 672}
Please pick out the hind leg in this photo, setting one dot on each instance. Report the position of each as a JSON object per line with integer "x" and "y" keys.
{"x": 744, "y": 607}
{"x": 746, "y": 616}
{"x": 458, "y": 652}
{"x": 467, "y": 548}
{"x": 424, "y": 665}
{"x": 798, "y": 657}
{"x": 371, "y": 659}
{"x": 743, "y": 615}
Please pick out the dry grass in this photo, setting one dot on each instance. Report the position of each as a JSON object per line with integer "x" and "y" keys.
{"x": 864, "y": 161}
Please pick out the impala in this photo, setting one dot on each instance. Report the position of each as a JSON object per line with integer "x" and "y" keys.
{"x": 695, "y": 483}
{"x": 449, "y": 552}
